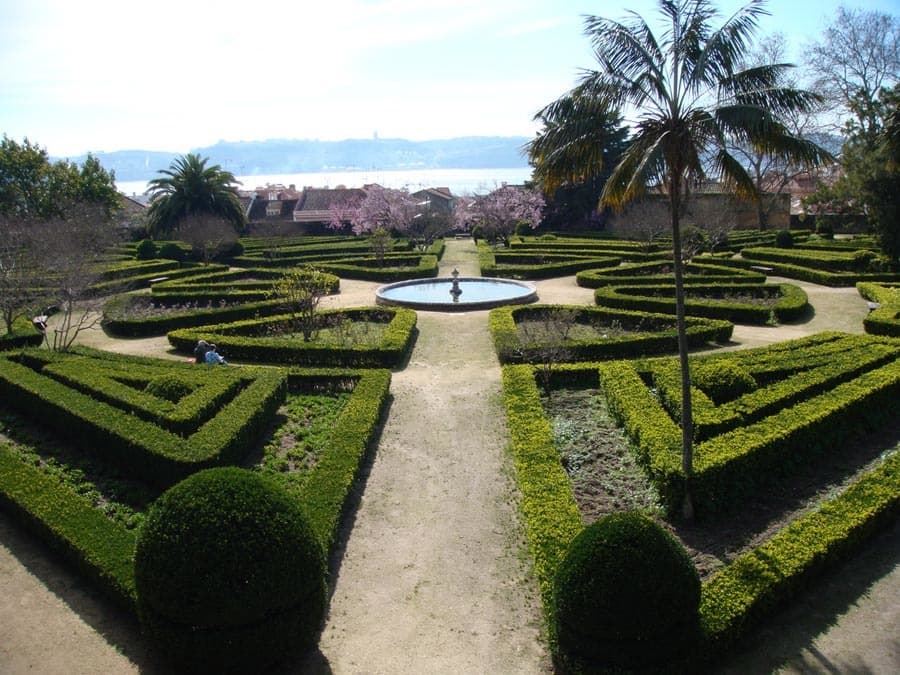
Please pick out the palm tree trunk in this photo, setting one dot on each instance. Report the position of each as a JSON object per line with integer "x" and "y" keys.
{"x": 687, "y": 418}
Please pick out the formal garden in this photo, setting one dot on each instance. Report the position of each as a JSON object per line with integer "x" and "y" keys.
{"x": 635, "y": 473}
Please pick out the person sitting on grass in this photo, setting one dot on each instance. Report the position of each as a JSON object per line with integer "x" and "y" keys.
{"x": 200, "y": 351}
{"x": 213, "y": 358}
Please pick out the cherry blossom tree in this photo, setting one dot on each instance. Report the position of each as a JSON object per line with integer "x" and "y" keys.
{"x": 381, "y": 209}
{"x": 498, "y": 213}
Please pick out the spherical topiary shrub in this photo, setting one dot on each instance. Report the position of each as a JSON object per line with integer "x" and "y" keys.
{"x": 784, "y": 239}
{"x": 170, "y": 387}
{"x": 722, "y": 380}
{"x": 626, "y": 598}
{"x": 146, "y": 250}
{"x": 229, "y": 575}
{"x": 171, "y": 251}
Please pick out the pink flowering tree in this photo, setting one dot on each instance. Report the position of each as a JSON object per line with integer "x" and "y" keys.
{"x": 381, "y": 209}
{"x": 498, "y": 213}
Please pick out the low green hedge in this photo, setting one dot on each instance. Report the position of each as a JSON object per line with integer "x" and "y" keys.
{"x": 734, "y": 600}
{"x": 763, "y": 433}
{"x": 104, "y": 551}
{"x": 552, "y": 518}
{"x": 116, "y": 321}
{"x": 24, "y": 335}
{"x": 700, "y": 300}
{"x": 543, "y": 264}
{"x": 247, "y": 340}
{"x": 137, "y": 446}
{"x": 327, "y": 490}
{"x": 655, "y": 273}
{"x": 658, "y": 333}
{"x": 66, "y": 521}
{"x": 884, "y": 320}
{"x": 738, "y": 597}
{"x": 137, "y": 281}
{"x": 830, "y": 261}
{"x": 395, "y": 267}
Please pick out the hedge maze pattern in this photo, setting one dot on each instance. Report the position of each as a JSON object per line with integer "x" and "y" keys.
{"x": 157, "y": 422}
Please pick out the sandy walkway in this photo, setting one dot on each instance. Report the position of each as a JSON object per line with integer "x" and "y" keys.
{"x": 432, "y": 577}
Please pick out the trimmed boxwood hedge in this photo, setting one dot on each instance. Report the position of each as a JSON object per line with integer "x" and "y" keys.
{"x": 792, "y": 303}
{"x": 654, "y": 273}
{"x": 68, "y": 524}
{"x": 24, "y": 335}
{"x": 750, "y": 588}
{"x": 658, "y": 333}
{"x": 884, "y": 320}
{"x": 542, "y": 264}
{"x": 140, "y": 447}
{"x": 104, "y": 550}
{"x": 246, "y": 340}
{"x": 765, "y": 432}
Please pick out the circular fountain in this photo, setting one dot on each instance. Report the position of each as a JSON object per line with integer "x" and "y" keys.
{"x": 456, "y": 294}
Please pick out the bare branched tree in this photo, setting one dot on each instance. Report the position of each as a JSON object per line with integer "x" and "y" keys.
{"x": 544, "y": 340}
{"x": 22, "y": 290}
{"x": 858, "y": 55}
{"x": 70, "y": 253}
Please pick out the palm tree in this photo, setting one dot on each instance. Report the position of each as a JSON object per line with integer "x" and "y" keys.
{"x": 691, "y": 98}
{"x": 189, "y": 187}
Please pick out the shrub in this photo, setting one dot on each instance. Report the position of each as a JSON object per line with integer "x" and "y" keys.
{"x": 170, "y": 387}
{"x": 477, "y": 234}
{"x": 172, "y": 251}
{"x": 784, "y": 239}
{"x": 722, "y": 380}
{"x": 626, "y": 596}
{"x": 825, "y": 230}
{"x": 229, "y": 574}
{"x": 146, "y": 250}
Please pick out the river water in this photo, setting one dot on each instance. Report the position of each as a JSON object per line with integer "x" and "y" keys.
{"x": 460, "y": 181}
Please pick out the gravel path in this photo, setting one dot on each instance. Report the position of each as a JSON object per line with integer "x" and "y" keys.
{"x": 432, "y": 576}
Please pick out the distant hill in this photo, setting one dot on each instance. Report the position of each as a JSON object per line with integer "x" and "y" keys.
{"x": 249, "y": 158}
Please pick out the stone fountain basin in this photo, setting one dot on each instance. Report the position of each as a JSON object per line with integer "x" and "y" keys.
{"x": 477, "y": 293}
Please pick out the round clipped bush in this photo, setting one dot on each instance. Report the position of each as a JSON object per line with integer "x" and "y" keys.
{"x": 722, "y": 379}
{"x": 171, "y": 251}
{"x": 784, "y": 239}
{"x": 625, "y": 598}
{"x": 170, "y": 387}
{"x": 229, "y": 575}
{"x": 145, "y": 250}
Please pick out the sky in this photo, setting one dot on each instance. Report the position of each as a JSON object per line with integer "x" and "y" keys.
{"x": 173, "y": 75}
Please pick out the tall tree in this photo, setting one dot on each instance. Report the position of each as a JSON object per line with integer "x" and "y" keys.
{"x": 33, "y": 187}
{"x": 691, "y": 98}
{"x": 858, "y": 55}
{"x": 190, "y": 187}
{"x": 571, "y": 175}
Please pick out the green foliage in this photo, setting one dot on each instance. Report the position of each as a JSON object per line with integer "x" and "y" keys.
{"x": 736, "y": 599}
{"x": 812, "y": 394}
{"x": 651, "y": 333}
{"x": 265, "y": 340}
{"x": 655, "y": 273}
{"x": 552, "y": 518}
{"x": 170, "y": 387}
{"x": 230, "y": 576}
{"x": 740, "y": 303}
{"x": 301, "y": 289}
{"x": 626, "y": 596}
{"x": 722, "y": 380}
{"x": 97, "y": 546}
{"x": 784, "y": 239}
{"x": 85, "y": 398}
{"x": 885, "y": 320}
{"x": 146, "y": 250}
{"x": 31, "y": 186}
{"x": 172, "y": 251}
{"x": 190, "y": 187}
